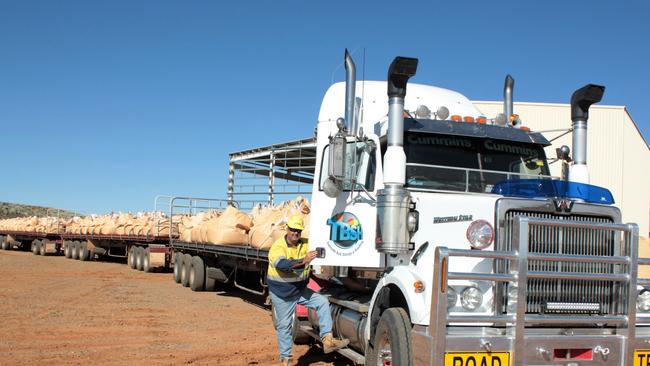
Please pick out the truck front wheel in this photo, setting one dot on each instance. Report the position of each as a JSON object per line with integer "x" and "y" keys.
{"x": 392, "y": 343}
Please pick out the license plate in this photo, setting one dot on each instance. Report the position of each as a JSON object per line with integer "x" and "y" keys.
{"x": 478, "y": 359}
{"x": 642, "y": 357}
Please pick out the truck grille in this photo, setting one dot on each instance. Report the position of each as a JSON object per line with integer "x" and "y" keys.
{"x": 610, "y": 297}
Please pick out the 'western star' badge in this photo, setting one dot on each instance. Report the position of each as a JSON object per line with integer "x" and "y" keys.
{"x": 563, "y": 205}
{"x": 447, "y": 219}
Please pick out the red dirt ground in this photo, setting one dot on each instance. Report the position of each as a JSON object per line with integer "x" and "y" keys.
{"x": 57, "y": 311}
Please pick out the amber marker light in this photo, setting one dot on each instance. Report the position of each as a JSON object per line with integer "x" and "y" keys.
{"x": 524, "y": 128}
{"x": 418, "y": 286}
{"x": 482, "y": 120}
{"x": 456, "y": 118}
{"x": 469, "y": 119}
{"x": 443, "y": 276}
{"x": 514, "y": 117}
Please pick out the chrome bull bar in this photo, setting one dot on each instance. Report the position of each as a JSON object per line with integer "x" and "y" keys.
{"x": 625, "y": 274}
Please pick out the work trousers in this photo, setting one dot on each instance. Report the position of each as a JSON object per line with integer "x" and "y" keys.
{"x": 285, "y": 311}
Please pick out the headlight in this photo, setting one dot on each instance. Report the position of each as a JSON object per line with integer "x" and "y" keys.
{"x": 480, "y": 234}
{"x": 471, "y": 298}
{"x": 452, "y": 297}
{"x": 643, "y": 301}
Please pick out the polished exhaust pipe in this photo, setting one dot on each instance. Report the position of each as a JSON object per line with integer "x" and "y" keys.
{"x": 350, "y": 90}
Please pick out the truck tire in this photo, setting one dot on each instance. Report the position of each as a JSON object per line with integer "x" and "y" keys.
{"x": 42, "y": 248}
{"x": 74, "y": 250}
{"x": 178, "y": 263}
{"x": 146, "y": 262}
{"x": 138, "y": 258}
{"x": 197, "y": 274}
{"x": 35, "y": 249}
{"x": 392, "y": 343}
{"x": 66, "y": 249}
{"x": 131, "y": 257}
{"x": 185, "y": 270}
{"x": 210, "y": 284}
{"x": 4, "y": 244}
{"x": 84, "y": 253}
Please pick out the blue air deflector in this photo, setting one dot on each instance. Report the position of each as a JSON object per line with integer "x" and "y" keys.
{"x": 547, "y": 188}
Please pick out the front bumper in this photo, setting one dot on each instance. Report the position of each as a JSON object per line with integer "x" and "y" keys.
{"x": 541, "y": 346}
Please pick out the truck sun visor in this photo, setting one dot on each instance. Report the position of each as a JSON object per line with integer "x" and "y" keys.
{"x": 547, "y": 188}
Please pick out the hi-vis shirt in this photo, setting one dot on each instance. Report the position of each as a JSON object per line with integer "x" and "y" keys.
{"x": 282, "y": 280}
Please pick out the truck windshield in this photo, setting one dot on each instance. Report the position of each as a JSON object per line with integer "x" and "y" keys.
{"x": 469, "y": 164}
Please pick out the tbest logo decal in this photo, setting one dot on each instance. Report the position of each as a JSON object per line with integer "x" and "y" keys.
{"x": 346, "y": 233}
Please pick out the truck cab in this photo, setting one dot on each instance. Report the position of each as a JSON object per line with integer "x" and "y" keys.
{"x": 449, "y": 243}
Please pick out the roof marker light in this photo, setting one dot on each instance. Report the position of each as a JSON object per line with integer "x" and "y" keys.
{"x": 469, "y": 119}
{"x": 456, "y": 118}
{"x": 481, "y": 119}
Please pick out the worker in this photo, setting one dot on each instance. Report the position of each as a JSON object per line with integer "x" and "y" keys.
{"x": 287, "y": 277}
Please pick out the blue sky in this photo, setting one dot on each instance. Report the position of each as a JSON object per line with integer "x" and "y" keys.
{"x": 104, "y": 105}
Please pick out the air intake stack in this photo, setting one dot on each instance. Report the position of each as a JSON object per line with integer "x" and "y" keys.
{"x": 581, "y": 100}
{"x": 393, "y": 201}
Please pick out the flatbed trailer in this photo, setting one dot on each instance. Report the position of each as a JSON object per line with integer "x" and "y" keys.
{"x": 258, "y": 176}
{"x": 144, "y": 252}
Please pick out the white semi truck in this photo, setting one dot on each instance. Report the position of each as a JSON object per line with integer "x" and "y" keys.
{"x": 449, "y": 243}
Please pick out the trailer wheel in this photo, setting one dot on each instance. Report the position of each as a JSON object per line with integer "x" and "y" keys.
{"x": 35, "y": 247}
{"x": 138, "y": 258}
{"x": 74, "y": 250}
{"x": 210, "y": 284}
{"x": 146, "y": 262}
{"x": 178, "y": 263}
{"x": 4, "y": 243}
{"x": 42, "y": 248}
{"x": 392, "y": 344}
{"x": 66, "y": 249}
{"x": 84, "y": 253}
{"x": 185, "y": 270}
{"x": 131, "y": 257}
{"x": 197, "y": 276}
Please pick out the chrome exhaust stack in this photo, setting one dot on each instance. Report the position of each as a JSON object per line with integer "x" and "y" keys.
{"x": 508, "y": 104}
{"x": 350, "y": 90}
{"x": 393, "y": 202}
{"x": 581, "y": 100}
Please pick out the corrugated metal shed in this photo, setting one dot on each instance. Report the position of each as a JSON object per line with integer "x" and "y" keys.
{"x": 617, "y": 154}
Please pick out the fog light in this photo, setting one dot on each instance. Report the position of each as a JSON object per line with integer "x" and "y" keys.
{"x": 471, "y": 298}
{"x": 643, "y": 301}
{"x": 452, "y": 297}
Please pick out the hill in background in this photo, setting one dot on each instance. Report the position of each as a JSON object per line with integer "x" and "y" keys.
{"x": 10, "y": 210}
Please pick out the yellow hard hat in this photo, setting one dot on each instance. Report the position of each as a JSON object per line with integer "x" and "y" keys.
{"x": 295, "y": 222}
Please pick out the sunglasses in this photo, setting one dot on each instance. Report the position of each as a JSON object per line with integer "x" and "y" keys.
{"x": 298, "y": 231}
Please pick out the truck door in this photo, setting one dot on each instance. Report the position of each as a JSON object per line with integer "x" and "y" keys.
{"x": 345, "y": 225}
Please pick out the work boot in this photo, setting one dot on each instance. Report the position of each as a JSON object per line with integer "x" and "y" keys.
{"x": 331, "y": 344}
{"x": 286, "y": 362}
